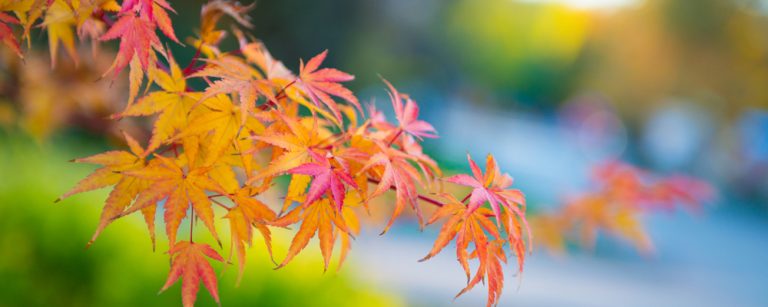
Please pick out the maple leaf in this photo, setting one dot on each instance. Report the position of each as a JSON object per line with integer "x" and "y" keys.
{"x": 399, "y": 174}
{"x": 493, "y": 188}
{"x": 155, "y": 12}
{"x": 179, "y": 189}
{"x": 257, "y": 53}
{"x": 428, "y": 166}
{"x": 319, "y": 84}
{"x": 114, "y": 164}
{"x": 407, "y": 116}
{"x": 297, "y": 143}
{"x": 248, "y": 213}
{"x": 322, "y": 218}
{"x": 236, "y": 77}
{"x": 213, "y": 11}
{"x": 219, "y": 120}
{"x": 137, "y": 38}
{"x": 327, "y": 178}
{"x": 6, "y": 33}
{"x": 59, "y": 20}
{"x": 173, "y": 103}
{"x": 596, "y": 212}
{"x": 190, "y": 264}
{"x": 472, "y": 226}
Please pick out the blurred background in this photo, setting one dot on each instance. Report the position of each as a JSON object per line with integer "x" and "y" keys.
{"x": 550, "y": 87}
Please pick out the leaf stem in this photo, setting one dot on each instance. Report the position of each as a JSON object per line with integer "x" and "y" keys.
{"x": 192, "y": 62}
{"x": 219, "y": 203}
{"x": 280, "y": 94}
{"x": 422, "y": 197}
{"x": 394, "y": 138}
{"x": 466, "y": 197}
{"x": 191, "y": 223}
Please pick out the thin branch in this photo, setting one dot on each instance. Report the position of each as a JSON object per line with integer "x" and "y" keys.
{"x": 394, "y": 138}
{"x": 422, "y": 197}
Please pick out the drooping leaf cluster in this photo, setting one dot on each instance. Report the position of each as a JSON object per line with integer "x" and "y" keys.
{"x": 622, "y": 194}
{"x": 214, "y": 151}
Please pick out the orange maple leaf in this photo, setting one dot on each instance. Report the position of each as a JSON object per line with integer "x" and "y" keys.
{"x": 180, "y": 189}
{"x": 395, "y": 171}
{"x": 319, "y": 84}
{"x": 189, "y": 263}
{"x": 112, "y": 173}
{"x": 248, "y": 213}
{"x": 473, "y": 227}
{"x": 322, "y": 218}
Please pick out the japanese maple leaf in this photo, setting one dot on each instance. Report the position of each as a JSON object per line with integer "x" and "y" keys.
{"x": 236, "y": 77}
{"x": 327, "y": 178}
{"x": 321, "y": 218}
{"x": 155, "y": 11}
{"x": 428, "y": 166}
{"x": 476, "y": 228}
{"x": 248, "y": 213}
{"x": 257, "y": 53}
{"x": 493, "y": 188}
{"x": 302, "y": 137}
{"x": 60, "y": 20}
{"x": 320, "y": 84}
{"x": 179, "y": 189}
{"x": 6, "y": 33}
{"x": 399, "y": 174}
{"x": 190, "y": 264}
{"x": 408, "y": 115}
{"x": 219, "y": 120}
{"x": 137, "y": 38}
{"x": 600, "y": 212}
{"x": 115, "y": 163}
{"x": 172, "y": 102}
{"x": 679, "y": 189}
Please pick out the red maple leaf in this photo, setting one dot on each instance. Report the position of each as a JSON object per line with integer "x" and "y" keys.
{"x": 6, "y": 33}
{"x": 327, "y": 179}
{"x": 137, "y": 38}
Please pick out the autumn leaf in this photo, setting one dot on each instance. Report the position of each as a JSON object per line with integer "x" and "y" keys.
{"x": 321, "y": 84}
{"x": 6, "y": 33}
{"x": 492, "y": 188}
{"x": 473, "y": 227}
{"x": 296, "y": 144}
{"x": 399, "y": 174}
{"x": 327, "y": 178}
{"x": 319, "y": 218}
{"x": 172, "y": 102}
{"x": 137, "y": 38}
{"x": 219, "y": 121}
{"x": 155, "y": 12}
{"x": 248, "y": 213}
{"x": 234, "y": 76}
{"x": 190, "y": 264}
{"x": 408, "y": 115}
{"x": 214, "y": 10}
{"x": 60, "y": 20}
{"x": 179, "y": 189}
{"x": 112, "y": 173}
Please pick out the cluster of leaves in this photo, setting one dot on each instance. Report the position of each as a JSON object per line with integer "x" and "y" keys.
{"x": 622, "y": 194}
{"x": 42, "y": 101}
{"x": 215, "y": 150}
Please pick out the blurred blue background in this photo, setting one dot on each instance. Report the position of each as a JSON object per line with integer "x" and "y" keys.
{"x": 551, "y": 88}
